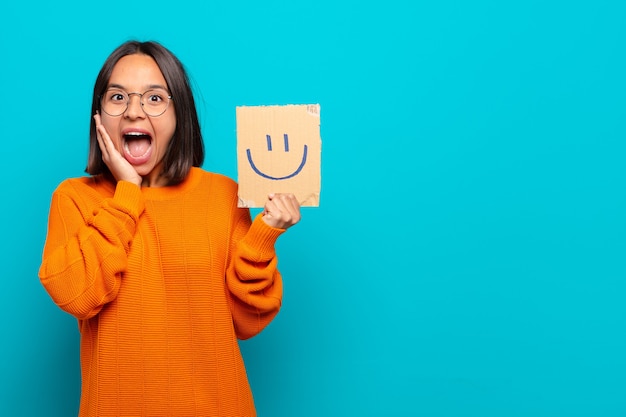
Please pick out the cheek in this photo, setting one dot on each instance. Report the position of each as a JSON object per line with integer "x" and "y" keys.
{"x": 111, "y": 125}
{"x": 166, "y": 129}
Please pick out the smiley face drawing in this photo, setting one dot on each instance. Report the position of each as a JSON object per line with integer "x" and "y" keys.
{"x": 270, "y": 149}
{"x": 278, "y": 151}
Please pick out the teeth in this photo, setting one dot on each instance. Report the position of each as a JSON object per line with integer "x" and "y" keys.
{"x": 135, "y": 134}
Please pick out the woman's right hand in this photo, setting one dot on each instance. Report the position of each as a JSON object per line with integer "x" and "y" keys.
{"x": 121, "y": 169}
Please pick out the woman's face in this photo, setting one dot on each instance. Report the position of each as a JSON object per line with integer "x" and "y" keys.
{"x": 141, "y": 139}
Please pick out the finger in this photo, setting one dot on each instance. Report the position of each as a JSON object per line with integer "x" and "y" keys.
{"x": 101, "y": 143}
{"x": 106, "y": 143}
{"x": 284, "y": 208}
{"x": 293, "y": 203}
{"x": 287, "y": 203}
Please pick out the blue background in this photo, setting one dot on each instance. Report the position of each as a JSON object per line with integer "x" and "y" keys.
{"x": 468, "y": 255}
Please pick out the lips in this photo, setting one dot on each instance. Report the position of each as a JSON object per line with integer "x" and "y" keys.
{"x": 137, "y": 146}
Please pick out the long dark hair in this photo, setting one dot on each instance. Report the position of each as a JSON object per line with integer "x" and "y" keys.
{"x": 186, "y": 148}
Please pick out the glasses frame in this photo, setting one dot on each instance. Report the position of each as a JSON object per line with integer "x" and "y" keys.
{"x": 167, "y": 106}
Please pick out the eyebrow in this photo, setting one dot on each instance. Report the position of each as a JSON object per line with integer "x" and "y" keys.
{"x": 150, "y": 87}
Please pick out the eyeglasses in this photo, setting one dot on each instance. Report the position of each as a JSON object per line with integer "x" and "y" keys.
{"x": 154, "y": 102}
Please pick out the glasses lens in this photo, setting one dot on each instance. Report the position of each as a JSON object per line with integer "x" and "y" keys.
{"x": 114, "y": 102}
{"x": 155, "y": 102}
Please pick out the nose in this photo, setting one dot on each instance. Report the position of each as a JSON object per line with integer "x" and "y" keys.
{"x": 134, "y": 109}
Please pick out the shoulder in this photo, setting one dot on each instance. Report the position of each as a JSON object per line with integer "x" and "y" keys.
{"x": 93, "y": 187}
{"x": 216, "y": 180}
{"x": 81, "y": 184}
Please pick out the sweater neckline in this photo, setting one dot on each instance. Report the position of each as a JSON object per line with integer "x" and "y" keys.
{"x": 171, "y": 191}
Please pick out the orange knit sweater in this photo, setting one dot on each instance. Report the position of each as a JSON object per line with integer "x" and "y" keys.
{"x": 163, "y": 281}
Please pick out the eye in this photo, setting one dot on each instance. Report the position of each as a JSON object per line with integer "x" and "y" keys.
{"x": 116, "y": 96}
{"x": 155, "y": 97}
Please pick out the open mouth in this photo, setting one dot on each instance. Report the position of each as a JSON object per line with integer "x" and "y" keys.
{"x": 137, "y": 146}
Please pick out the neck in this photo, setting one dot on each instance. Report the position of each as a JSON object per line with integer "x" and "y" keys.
{"x": 153, "y": 180}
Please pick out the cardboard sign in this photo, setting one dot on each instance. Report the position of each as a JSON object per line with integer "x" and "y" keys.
{"x": 279, "y": 151}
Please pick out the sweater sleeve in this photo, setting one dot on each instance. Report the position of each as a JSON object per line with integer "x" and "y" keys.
{"x": 253, "y": 279}
{"x": 85, "y": 254}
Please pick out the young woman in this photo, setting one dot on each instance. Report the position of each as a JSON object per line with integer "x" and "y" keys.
{"x": 152, "y": 256}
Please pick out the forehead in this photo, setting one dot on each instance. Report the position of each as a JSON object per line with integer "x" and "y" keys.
{"x": 137, "y": 71}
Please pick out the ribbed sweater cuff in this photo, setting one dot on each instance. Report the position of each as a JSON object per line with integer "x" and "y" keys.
{"x": 128, "y": 196}
{"x": 262, "y": 237}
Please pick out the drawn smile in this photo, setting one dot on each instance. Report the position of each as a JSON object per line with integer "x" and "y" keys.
{"x": 269, "y": 148}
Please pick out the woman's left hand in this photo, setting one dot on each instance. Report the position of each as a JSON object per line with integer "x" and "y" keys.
{"x": 281, "y": 211}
